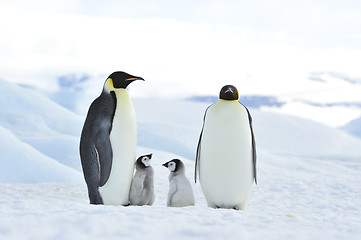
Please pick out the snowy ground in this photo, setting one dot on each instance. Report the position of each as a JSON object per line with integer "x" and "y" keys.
{"x": 308, "y": 177}
{"x": 296, "y": 198}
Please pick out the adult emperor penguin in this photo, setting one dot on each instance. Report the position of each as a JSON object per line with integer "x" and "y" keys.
{"x": 142, "y": 188}
{"x": 108, "y": 143}
{"x": 180, "y": 190}
{"x": 226, "y": 152}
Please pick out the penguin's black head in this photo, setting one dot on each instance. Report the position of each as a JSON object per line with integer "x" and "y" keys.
{"x": 174, "y": 165}
{"x": 122, "y": 79}
{"x": 229, "y": 92}
{"x": 144, "y": 161}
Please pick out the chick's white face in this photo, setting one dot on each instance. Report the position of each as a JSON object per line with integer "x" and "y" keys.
{"x": 171, "y": 166}
{"x": 146, "y": 161}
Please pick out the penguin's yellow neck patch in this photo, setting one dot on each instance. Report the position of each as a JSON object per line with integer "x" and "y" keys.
{"x": 109, "y": 85}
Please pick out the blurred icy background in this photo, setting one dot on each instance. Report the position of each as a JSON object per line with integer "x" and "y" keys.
{"x": 303, "y": 55}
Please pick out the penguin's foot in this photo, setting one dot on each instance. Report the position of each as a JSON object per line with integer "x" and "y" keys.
{"x": 212, "y": 205}
{"x": 241, "y": 207}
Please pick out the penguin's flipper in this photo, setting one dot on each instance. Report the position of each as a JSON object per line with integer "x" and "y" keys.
{"x": 198, "y": 155}
{"x": 105, "y": 155}
{"x": 148, "y": 192}
{"x": 172, "y": 190}
{"x": 254, "y": 154}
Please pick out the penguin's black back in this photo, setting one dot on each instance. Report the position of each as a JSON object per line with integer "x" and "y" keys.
{"x": 96, "y": 130}
{"x": 100, "y": 116}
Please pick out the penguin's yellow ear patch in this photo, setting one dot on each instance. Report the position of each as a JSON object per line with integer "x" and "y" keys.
{"x": 111, "y": 81}
{"x": 109, "y": 85}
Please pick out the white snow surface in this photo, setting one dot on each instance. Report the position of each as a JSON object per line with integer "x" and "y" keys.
{"x": 308, "y": 177}
{"x": 353, "y": 127}
{"x": 296, "y": 198}
{"x": 43, "y": 124}
{"x": 21, "y": 162}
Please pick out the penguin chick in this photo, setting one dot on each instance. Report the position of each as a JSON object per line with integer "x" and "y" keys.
{"x": 142, "y": 188}
{"x": 180, "y": 190}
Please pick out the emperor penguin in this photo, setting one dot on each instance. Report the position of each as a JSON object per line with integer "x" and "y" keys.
{"x": 180, "y": 190}
{"x": 142, "y": 188}
{"x": 226, "y": 152}
{"x": 108, "y": 142}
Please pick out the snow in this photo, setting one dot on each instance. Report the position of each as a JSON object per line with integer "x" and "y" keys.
{"x": 353, "y": 127}
{"x": 41, "y": 123}
{"x": 308, "y": 177}
{"x": 21, "y": 107}
{"x": 296, "y": 199}
{"x": 21, "y": 162}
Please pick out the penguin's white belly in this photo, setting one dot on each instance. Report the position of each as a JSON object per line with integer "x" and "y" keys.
{"x": 226, "y": 166}
{"x": 123, "y": 138}
{"x": 136, "y": 190}
{"x": 183, "y": 196}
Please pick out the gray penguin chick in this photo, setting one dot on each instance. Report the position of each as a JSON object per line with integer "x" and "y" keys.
{"x": 180, "y": 190}
{"x": 142, "y": 188}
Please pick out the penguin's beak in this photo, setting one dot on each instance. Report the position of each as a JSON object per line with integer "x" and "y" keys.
{"x": 133, "y": 78}
{"x": 165, "y": 165}
{"x": 229, "y": 90}
{"x": 150, "y": 155}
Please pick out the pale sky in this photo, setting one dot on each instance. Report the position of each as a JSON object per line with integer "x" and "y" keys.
{"x": 183, "y": 47}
